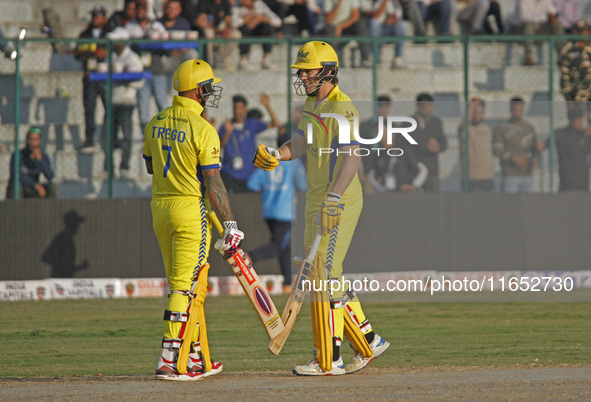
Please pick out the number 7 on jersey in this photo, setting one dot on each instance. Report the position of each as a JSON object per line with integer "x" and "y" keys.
{"x": 167, "y": 166}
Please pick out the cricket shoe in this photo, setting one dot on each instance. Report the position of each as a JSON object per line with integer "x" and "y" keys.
{"x": 166, "y": 370}
{"x": 194, "y": 365}
{"x": 378, "y": 346}
{"x": 313, "y": 368}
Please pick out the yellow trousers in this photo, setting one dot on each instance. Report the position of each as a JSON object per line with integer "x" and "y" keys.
{"x": 183, "y": 232}
{"x": 333, "y": 250}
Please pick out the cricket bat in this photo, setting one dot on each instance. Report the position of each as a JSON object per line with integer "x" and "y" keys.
{"x": 296, "y": 298}
{"x": 252, "y": 286}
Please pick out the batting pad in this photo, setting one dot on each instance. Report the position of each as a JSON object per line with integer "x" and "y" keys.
{"x": 353, "y": 331}
{"x": 172, "y": 327}
{"x": 322, "y": 325}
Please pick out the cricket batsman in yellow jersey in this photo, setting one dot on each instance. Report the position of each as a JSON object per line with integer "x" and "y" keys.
{"x": 333, "y": 202}
{"x": 182, "y": 153}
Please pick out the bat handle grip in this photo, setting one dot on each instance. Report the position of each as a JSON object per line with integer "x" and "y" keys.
{"x": 315, "y": 244}
{"x": 216, "y": 222}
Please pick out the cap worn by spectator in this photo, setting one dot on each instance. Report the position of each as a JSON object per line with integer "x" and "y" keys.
{"x": 119, "y": 33}
{"x": 98, "y": 10}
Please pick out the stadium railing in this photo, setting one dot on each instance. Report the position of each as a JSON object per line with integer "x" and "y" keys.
{"x": 42, "y": 88}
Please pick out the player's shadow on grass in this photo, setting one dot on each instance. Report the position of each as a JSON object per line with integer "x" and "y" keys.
{"x": 61, "y": 253}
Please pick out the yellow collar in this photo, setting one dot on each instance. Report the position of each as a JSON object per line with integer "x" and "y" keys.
{"x": 187, "y": 103}
{"x": 333, "y": 93}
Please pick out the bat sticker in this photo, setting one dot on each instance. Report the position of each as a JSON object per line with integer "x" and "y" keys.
{"x": 265, "y": 305}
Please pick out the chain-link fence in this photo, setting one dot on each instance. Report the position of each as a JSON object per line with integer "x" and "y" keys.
{"x": 56, "y": 94}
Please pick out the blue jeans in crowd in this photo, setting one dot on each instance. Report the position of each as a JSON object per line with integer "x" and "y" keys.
{"x": 398, "y": 29}
{"x": 438, "y": 12}
{"x": 518, "y": 184}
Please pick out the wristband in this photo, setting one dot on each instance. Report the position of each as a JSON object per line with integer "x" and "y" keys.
{"x": 230, "y": 225}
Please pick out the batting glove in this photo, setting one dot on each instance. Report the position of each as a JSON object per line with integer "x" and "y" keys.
{"x": 232, "y": 238}
{"x": 330, "y": 213}
{"x": 266, "y": 158}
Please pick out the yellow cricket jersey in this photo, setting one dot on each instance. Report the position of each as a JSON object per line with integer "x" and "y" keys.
{"x": 324, "y": 165}
{"x": 180, "y": 143}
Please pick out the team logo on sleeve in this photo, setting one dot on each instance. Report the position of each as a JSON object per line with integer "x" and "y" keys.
{"x": 215, "y": 151}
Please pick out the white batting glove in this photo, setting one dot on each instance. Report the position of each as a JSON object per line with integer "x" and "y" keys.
{"x": 232, "y": 238}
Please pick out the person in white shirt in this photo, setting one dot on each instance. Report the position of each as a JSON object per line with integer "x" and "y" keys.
{"x": 385, "y": 19}
{"x": 342, "y": 18}
{"x": 569, "y": 13}
{"x": 471, "y": 17}
{"x": 157, "y": 86}
{"x": 124, "y": 93}
{"x": 255, "y": 18}
{"x": 535, "y": 17}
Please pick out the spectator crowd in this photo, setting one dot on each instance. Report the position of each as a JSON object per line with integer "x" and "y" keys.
{"x": 235, "y": 19}
{"x": 514, "y": 143}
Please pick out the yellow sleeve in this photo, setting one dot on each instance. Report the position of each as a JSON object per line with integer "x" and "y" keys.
{"x": 308, "y": 109}
{"x": 209, "y": 148}
{"x": 347, "y": 109}
{"x": 302, "y": 127}
{"x": 147, "y": 150}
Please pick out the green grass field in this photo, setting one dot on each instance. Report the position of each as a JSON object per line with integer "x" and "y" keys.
{"x": 122, "y": 337}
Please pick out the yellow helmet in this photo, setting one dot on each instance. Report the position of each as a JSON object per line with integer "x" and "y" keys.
{"x": 192, "y": 74}
{"x": 316, "y": 55}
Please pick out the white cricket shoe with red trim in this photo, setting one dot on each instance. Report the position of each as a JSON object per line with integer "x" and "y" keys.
{"x": 378, "y": 346}
{"x": 313, "y": 368}
{"x": 194, "y": 365}
{"x": 167, "y": 370}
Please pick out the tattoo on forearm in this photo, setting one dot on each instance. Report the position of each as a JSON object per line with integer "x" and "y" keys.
{"x": 217, "y": 194}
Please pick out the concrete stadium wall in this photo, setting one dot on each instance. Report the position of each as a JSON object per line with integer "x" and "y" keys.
{"x": 115, "y": 239}
{"x": 396, "y": 232}
{"x": 472, "y": 232}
